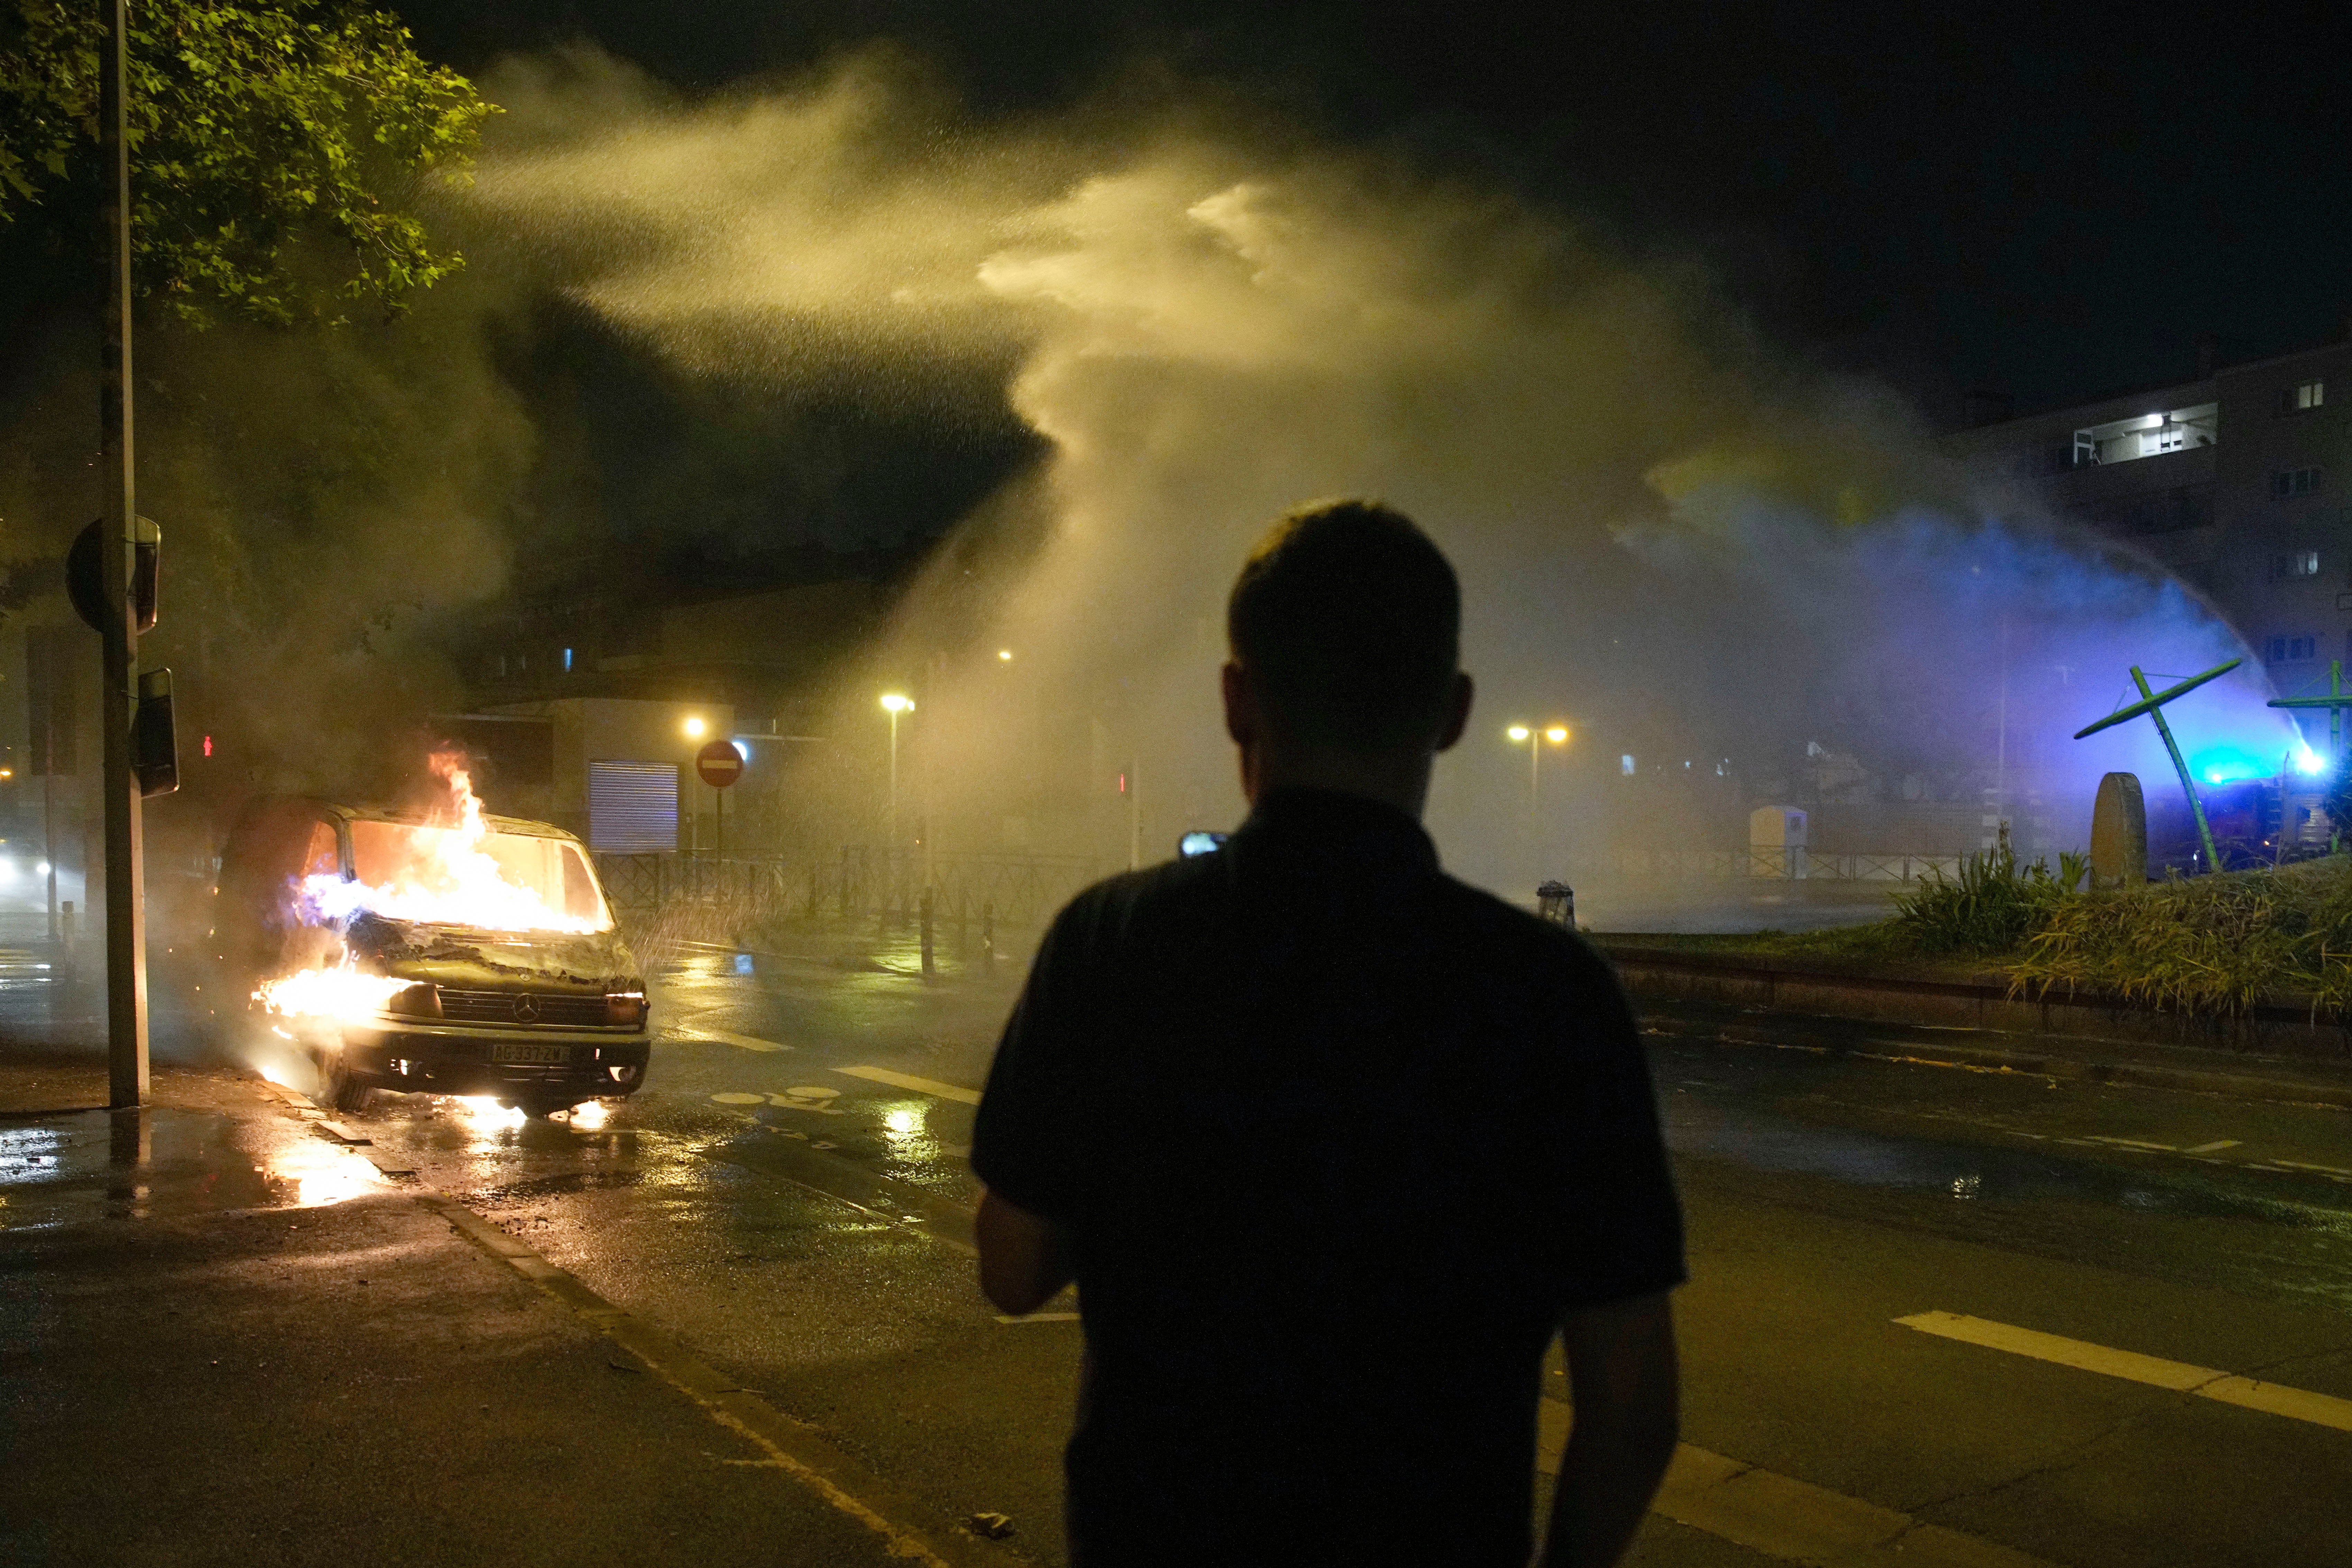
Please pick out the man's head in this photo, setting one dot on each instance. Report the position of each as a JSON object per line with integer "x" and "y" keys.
{"x": 1346, "y": 630}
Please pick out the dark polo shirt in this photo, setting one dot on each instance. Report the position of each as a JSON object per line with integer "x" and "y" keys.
{"x": 1337, "y": 1139}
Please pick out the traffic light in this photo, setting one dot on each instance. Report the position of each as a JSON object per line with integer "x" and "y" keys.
{"x": 83, "y": 571}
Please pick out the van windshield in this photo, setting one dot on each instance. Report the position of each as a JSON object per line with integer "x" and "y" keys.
{"x": 484, "y": 880}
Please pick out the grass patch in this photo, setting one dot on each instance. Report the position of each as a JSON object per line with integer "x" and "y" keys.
{"x": 2209, "y": 947}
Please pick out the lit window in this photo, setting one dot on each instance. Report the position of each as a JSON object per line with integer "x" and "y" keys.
{"x": 567, "y": 661}
{"x": 2290, "y": 482}
{"x": 2165, "y": 437}
{"x": 2301, "y": 396}
{"x": 2295, "y": 564}
{"x": 2284, "y": 650}
{"x": 1625, "y": 764}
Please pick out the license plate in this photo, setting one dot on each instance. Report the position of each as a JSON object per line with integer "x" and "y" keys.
{"x": 531, "y": 1056}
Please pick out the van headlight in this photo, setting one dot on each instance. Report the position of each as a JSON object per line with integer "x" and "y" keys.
{"x": 422, "y": 1000}
{"x": 625, "y": 1007}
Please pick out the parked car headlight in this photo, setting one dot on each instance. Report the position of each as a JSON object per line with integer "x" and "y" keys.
{"x": 625, "y": 1007}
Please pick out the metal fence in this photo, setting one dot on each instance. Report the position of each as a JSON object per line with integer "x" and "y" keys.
{"x": 1772, "y": 863}
{"x": 864, "y": 882}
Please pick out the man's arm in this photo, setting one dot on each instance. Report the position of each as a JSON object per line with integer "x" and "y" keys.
{"x": 1024, "y": 1263}
{"x": 1622, "y": 1375}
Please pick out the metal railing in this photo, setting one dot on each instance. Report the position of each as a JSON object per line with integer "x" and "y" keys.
{"x": 883, "y": 885}
{"x": 1771, "y": 862}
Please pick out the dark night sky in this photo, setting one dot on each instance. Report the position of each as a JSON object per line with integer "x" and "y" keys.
{"x": 2051, "y": 200}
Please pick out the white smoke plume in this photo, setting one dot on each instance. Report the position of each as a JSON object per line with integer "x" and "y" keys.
{"x": 1713, "y": 562}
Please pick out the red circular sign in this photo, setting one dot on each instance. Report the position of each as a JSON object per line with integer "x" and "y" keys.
{"x": 718, "y": 764}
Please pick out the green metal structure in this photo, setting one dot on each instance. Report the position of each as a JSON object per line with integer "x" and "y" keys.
{"x": 2336, "y": 702}
{"x": 2152, "y": 704}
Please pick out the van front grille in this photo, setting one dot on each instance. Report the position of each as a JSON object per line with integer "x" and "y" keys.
{"x": 547, "y": 1009}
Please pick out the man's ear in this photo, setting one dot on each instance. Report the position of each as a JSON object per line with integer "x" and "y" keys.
{"x": 1458, "y": 710}
{"x": 1241, "y": 704}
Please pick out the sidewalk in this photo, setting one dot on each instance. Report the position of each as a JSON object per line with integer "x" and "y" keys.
{"x": 226, "y": 1338}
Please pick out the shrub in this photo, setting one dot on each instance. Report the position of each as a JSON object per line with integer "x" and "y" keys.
{"x": 1991, "y": 905}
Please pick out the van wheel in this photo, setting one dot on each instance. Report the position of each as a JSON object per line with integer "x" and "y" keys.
{"x": 345, "y": 1089}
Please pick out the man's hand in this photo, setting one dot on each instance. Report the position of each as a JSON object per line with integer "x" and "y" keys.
{"x": 1022, "y": 1262}
{"x": 1622, "y": 1375}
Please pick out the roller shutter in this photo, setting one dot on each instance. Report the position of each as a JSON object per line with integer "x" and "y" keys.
{"x": 632, "y": 807}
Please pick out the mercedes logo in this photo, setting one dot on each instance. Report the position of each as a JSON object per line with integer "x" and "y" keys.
{"x": 526, "y": 1009}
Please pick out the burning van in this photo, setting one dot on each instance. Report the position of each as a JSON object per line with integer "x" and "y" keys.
{"x": 449, "y": 953}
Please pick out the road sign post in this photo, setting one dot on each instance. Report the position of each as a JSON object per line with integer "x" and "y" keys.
{"x": 719, "y": 764}
{"x": 126, "y": 916}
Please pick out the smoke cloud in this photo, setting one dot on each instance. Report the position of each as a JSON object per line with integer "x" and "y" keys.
{"x": 1716, "y": 564}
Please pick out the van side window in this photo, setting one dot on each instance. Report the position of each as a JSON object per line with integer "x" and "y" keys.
{"x": 323, "y": 859}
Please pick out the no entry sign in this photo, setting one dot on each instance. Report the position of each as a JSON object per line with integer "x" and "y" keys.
{"x": 718, "y": 764}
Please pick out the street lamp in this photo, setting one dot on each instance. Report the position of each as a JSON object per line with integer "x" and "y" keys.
{"x": 1534, "y": 740}
{"x": 694, "y": 728}
{"x": 895, "y": 703}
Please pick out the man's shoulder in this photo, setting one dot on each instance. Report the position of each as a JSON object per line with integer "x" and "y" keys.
{"x": 1146, "y": 902}
{"x": 1517, "y": 941}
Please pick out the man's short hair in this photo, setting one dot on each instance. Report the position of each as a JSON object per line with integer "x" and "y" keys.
{"x": 1350, "y": 622}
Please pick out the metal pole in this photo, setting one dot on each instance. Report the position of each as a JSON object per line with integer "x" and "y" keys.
{"x": 49, "y": 798}
{"x": 2180, "y": 766}
{"x": 894, "y": 781}
{"x": 2334, "y": 742}
{"x": 2001, "y": 746}
{"x": 126, "y": 917}
{"x": 1535, "y": 761}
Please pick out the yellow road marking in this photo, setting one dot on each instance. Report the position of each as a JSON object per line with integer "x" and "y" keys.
{"x": 2181, "y": 1377}
{"x": 954, "y": 1091}
{"x": 1784, "y": 1517}
{"x": 727, "y": 1037}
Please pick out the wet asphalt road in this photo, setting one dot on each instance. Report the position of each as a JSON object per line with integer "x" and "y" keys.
{"x": 788, "y": 1197}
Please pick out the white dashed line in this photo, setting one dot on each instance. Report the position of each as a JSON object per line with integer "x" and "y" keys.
{"x": 954, "y": 1091}
{"x": 2206, "y": 1382}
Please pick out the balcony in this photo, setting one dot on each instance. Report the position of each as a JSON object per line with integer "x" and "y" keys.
{"x": 2147, "y": 436}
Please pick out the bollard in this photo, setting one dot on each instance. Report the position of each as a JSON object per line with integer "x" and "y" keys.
{"x": 929, "y": 967}
{"x": 988, "y": 936}
{"x": 66, "y": 923}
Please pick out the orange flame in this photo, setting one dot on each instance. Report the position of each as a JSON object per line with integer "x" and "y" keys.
{"x": 342, "y": 993}
{"x": 449, "y": 873}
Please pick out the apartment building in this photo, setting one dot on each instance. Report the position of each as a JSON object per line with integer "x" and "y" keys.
{"x": 2239, "y": 482}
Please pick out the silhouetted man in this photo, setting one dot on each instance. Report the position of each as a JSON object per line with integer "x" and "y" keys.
{"x": 1333, "y": 1144}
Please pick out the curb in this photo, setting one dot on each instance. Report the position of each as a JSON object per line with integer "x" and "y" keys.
{"x": 2043, "y": 1064}
{"x": 793, "y": 1445}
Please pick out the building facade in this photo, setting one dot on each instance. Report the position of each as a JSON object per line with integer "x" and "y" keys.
{"x": 2239, "y": 481}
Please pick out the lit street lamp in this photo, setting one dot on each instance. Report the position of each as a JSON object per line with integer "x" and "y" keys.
{"x": 895, "y": 703}
{"x": 1534, "y": 740}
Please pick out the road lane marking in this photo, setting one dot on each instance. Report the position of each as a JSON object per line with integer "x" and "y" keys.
{"x": 727, "y": 1038}
{"x": 2180, "y": 1376}
{"x": 2215, "y": 1147}
{"x": 2302, "y": 1165}
{"x": 932, "y": 1086}
{"x": 1784, "y": 1517}
{"x": 1038, "y": 1317}
{"x": 2134, "y": 1143}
